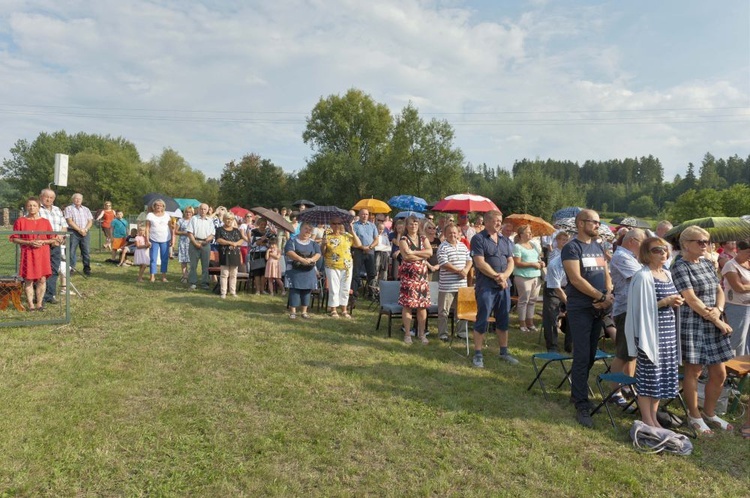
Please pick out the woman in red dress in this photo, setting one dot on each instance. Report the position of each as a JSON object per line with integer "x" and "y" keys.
{"x": 35, "y": 264}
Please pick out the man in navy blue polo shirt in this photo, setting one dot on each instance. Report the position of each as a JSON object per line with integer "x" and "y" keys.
{"x": 589, "y": 297}
{"x": 493, "y": 259}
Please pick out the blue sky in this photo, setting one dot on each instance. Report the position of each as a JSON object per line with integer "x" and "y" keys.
{"x": 517, "y": 79}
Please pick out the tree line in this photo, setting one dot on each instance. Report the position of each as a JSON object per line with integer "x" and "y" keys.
{"x": 359, "y": 149}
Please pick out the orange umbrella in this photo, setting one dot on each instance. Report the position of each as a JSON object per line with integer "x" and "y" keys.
{"x": 372, "y": 205}
{"x": 538, "y": 225}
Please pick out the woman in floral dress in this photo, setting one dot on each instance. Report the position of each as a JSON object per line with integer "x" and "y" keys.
{"x": 414, "y": 294}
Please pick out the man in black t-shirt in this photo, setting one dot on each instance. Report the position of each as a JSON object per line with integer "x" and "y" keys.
{"x": 589, "y": 296}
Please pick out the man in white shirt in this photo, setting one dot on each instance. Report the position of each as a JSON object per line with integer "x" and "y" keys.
{"x": 201, "y": 232}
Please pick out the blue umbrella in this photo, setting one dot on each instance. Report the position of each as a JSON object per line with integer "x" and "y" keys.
{"x": 408, "y": 202}
{"x": 567, "y": 212}
{"x": 406, "y": 214}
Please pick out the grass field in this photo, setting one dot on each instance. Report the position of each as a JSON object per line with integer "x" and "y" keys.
{"x": 155, "y": 390}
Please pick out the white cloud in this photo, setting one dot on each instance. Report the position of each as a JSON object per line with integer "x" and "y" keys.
{"x": 218, "y": 80}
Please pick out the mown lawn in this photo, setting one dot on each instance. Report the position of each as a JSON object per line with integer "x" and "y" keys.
{"x": 154, "y": 390}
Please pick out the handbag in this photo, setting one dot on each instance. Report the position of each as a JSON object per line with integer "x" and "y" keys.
{"x": 256, "y": 262}
{"x": 298, "y": 265}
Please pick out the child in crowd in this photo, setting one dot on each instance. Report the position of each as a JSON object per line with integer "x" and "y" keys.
{"x": 141, "y": 256}
{"x": 273, "y": 270}
{"x": 128, "y": 247}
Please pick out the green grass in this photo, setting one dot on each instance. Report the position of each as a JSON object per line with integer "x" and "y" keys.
{"x": 154, "y": 390}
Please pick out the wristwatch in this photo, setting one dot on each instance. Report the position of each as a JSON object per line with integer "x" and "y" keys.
{"x": 601, "y": 299}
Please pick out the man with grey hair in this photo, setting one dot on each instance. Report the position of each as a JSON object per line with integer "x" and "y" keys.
{"x": 661, "y": 229}
{"x": 55, "y": 216}
{"x": 623, "y": 266}
{"x": 79, "y": 220}
{"x": 201, "y": 232}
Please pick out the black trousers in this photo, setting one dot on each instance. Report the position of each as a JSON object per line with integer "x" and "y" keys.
{"x": 550, "y": 309}
{"x": 363, "y": 261}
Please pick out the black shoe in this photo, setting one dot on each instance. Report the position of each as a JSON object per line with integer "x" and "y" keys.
{"x": 87, "y": 273}
{"x": 51, "y": 300}
{"x": 583, "y": 416}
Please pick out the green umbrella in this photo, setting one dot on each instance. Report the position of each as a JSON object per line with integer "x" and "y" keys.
{"x": 721, "y": 229}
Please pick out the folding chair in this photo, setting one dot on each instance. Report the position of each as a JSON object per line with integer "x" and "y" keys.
{"x": 549, "y": 358}
{"x": 389, "y": 291}
{"x": 466, "y": 309}
{"x": 738, "y": 369}
{"x": 621, "y": 379}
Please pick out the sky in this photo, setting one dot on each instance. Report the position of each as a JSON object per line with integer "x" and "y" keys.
{"x": 216, "y": 80}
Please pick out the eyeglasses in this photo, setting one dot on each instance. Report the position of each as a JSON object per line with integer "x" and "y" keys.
{"x": 659, "y": 250}
{"x": 595, "y": 222}
{"x": 700, "y": 242}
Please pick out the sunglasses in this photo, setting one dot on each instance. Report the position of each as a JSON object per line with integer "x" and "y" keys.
{"x": 659, "y": 250}
{"x": 700, "y": 242}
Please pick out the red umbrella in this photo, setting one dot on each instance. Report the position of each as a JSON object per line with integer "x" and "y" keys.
{"x": 466, "y": 203}
{"x": 239, "y": 211}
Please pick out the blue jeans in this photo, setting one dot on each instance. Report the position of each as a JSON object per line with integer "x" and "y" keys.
{"x": 494, "y": 301}
{"x": 55, "y": 255}
{"x": 585, "y": 330}
{"x": 162, "y": 249}
{"x": 299, "y": 297}
{"x": 76, "y": 241}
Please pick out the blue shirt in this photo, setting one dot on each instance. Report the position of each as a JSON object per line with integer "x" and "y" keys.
{"x": 556, "y": 278}
{"x": 622, "y": 268}
{"x": 593, "y": 267}
{"x": 367, "y": 232}
{"x": 495, "y": 254}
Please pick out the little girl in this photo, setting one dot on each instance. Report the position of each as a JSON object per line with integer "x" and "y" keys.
{"x": 273, "y": 272}
{"x": 141, "y": 257}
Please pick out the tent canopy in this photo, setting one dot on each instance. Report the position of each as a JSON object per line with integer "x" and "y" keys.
{"x": 184, "y": 203}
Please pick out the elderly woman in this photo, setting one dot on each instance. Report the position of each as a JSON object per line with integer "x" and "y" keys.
{"x": 158, "y": 233}
{"x": 229, "y": 238}
{"x": 527, "y": 274}
{"x": 414, "y": 294}
{"x": 650, "y": 329}
{"x": 302, "y": 253}
{"x": 35, "y": 250}
{"x": 337, "y": 251}
{"x": 183, "y": 246}
{"x": 704, "y": 336}
{"x": 737, "y": 288}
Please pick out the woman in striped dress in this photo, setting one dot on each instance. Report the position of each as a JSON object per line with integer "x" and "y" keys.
{"x": 650, "y": 328}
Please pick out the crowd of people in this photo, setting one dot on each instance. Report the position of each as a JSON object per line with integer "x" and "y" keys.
{"x": 664, "y": 305}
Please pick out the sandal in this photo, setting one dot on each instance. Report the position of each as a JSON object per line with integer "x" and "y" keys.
{"x": 346, "y": 315}
{"x": 333, "y": 314}
{"x": 293, "y": 316}
{"x": 719, "y": 422}
{"x": 699, "y": 426}
{"x": 305, "y": 316}
{"x": 424, "y": 340}
{"x": 407, "y": 339}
